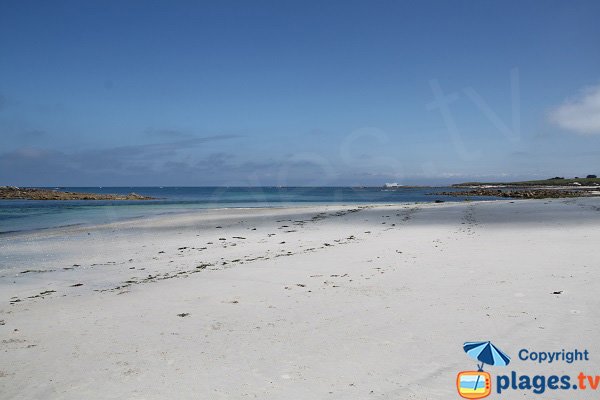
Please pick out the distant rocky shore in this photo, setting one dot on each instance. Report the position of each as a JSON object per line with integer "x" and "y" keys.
{"x": 521, "y": 193}
{"x": 11, "y": 192}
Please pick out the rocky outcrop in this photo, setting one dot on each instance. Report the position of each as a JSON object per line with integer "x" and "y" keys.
{"x": 520, "y": 193}
{"x": 12, "y": 192}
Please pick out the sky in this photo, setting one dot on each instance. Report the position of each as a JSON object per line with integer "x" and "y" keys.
{"x": 263, "y": 93}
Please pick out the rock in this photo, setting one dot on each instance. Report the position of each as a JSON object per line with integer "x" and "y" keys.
{"x": 11, "y": 192}
{"x": 525, "y": 193}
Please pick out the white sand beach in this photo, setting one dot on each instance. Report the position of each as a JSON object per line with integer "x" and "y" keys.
{"x": 328, "y": 302}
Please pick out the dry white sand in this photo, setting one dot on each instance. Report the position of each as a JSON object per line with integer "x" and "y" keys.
{"x": 300, "y": 303}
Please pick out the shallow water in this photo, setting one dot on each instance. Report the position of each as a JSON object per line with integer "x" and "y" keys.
{"x": 22, "y": 215}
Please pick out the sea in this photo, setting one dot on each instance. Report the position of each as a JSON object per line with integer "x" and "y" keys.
{"x": 28, "y": 215}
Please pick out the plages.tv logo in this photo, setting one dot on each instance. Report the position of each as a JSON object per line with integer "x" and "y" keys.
{"x": 478, "y": 384}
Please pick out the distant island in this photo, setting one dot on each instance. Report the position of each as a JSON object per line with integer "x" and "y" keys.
{"x": 589, "y": 180}
{"x": 12, "y": 192}
{"x": 557, "y": 187}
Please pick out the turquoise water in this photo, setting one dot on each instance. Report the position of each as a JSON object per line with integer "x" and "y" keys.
{"x": 21, "y": 215}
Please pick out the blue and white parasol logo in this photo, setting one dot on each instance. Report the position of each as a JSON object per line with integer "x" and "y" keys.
{"x": 486, "y": 353}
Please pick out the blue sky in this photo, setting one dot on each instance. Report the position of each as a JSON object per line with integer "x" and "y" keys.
{"x": 297, "y": 92}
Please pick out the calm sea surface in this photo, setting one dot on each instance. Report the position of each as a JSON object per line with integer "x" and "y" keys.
{"x": 21, "y": 215}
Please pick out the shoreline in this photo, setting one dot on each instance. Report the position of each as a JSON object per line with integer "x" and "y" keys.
{"x": 202, "y": 211}
{"x": 192, "y": 210}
